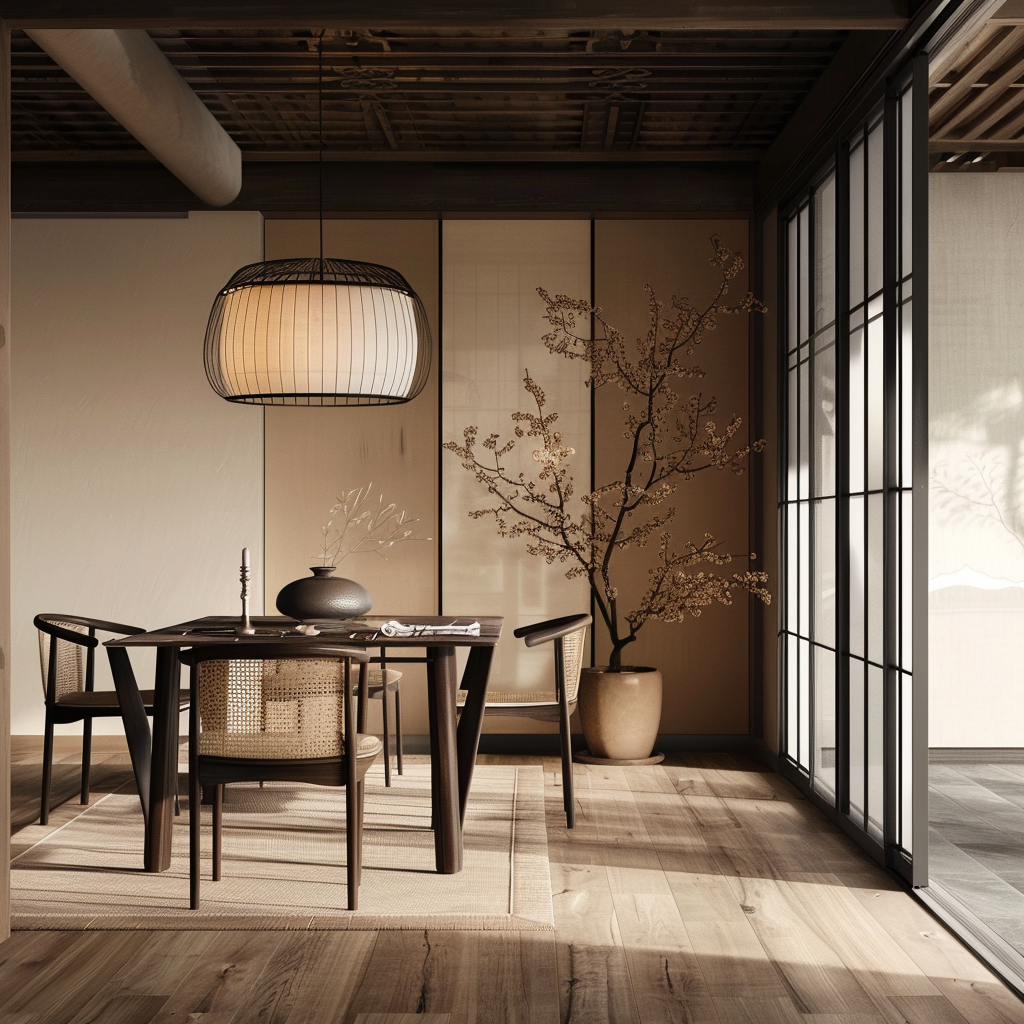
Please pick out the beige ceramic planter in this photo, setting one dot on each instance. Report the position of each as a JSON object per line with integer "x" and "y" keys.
{"x": 620, "y": 712}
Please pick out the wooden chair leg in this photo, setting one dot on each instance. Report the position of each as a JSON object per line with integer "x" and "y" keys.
{"x": 218, "y": 816}
{"x": 86, "y": 758}
{"x": 398, "y": 726}
{"x": 44, "y": 804}
{"x": 567, "y": 793}
{"x": 195, "y": 805}
{"x": 387, "y": 735}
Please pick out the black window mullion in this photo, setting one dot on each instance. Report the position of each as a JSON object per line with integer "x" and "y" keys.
{"x": 890, "y": 468}
{"x": 842, "y": 539}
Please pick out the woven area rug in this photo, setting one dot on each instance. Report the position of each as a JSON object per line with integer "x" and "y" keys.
{"x": 284, "y": 862}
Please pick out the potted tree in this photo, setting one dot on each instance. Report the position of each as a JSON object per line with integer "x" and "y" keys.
{"x": 670, "y": 441}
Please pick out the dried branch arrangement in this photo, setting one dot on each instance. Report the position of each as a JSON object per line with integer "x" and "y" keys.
{"x": 670, "y": 441}
{"x": 359, "y": 523}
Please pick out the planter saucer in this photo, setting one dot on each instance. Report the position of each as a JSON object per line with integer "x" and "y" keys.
{"x": 585, "y": 757}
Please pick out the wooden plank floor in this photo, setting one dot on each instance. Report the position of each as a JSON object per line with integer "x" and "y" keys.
{"x": 702, "y": 890}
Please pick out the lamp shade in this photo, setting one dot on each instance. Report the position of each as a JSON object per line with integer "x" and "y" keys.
{"x": 317, "y": 332}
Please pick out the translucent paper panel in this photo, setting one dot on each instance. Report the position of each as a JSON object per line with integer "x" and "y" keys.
{"x": 825, "y": 253}
{"x": 805, "y": 569}
{"x": 793, "y": 568}
{"x": 793, "y": 285}
{"x": 825, "y": 722}
{"x": 875, "y": 202}
{"x": 792, "y": 696}
{"x": 906, "y": 184}
{"x": 876, "y": 406}
{"x": 858, "y": 747}
{"x": 858, "y": 575}
{"x": 804, "y": 482}
{"x": 857, "y": 185}
{"x": 825, "y": 572}
{"x": 875, "y": 749}
{"x": 792, "y": 431}
{"x": 906, "y": 703}
{"x": 823, "y": 414}
{"x": 858, "y": 397}
{"x": 876, "y": 577}
{"x": 907, "y": 394}
{"x": 907, "y": 581}
{"x": 805, "y": 274}
{"x": 804, "y": 745}
{"x": 492, "y": 328}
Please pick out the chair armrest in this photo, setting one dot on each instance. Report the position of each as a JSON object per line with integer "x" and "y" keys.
{"x": 47, "y": 625}
{"x": 71, "y": 636}
{"x": 552, "y": 629}
{"x": 116, "y": 627}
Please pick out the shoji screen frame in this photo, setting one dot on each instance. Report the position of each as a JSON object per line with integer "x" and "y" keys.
{"x": 897, "y": 835}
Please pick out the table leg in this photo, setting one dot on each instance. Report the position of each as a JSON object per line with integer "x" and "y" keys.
{"x": 444, "y": 784}
{"x": 163, "y": 779}
{"x": 136, "y": 724}
{"x": 471, "y": 721}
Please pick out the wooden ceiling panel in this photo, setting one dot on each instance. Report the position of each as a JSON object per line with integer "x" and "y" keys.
{"x": 453, "y": 94}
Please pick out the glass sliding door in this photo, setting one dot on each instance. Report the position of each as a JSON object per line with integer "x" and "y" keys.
{"x": 855, "y": 550}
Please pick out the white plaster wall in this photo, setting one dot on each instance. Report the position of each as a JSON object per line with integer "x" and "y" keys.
{"x": 134, "y": 487}
{"x": 976, "y": 456}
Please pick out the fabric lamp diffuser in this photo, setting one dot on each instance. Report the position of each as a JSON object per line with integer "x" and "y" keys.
{"x": 317, "y": 332}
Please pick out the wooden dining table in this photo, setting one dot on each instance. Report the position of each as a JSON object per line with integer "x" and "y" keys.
{"x": 454, "y": 737}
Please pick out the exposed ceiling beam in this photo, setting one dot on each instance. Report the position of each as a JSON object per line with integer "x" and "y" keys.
{"x": 126, "y": 73}
{"x": 355, "y": 14}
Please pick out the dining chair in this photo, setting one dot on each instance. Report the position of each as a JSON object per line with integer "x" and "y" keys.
{"x": 568, "y": 634}
{"x": 268, "y": 713}
{"x": 70, "y": 695}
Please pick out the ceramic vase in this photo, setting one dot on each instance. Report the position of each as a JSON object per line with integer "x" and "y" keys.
{"x": 322, "y": 596}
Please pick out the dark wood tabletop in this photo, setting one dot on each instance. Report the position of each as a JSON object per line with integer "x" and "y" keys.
{"x": 454, "y": 736}
{"x": 364, "y": 631}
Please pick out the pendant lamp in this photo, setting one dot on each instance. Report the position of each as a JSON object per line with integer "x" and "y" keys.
{"x": 317, "y": 331}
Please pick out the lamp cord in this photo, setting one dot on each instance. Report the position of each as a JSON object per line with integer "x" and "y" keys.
{"x": 320, "y": 144}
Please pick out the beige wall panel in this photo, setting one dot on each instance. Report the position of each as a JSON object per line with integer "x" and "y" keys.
{"x": 704, "y": 660}
{"x": 5, "y": 478}
{"x": 767, "y": 672}
{"x": 135, "y": 487}
{"x": 313, "y": 455}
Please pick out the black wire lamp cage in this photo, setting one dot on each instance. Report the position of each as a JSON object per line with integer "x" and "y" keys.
{"x": 317, "y": 332}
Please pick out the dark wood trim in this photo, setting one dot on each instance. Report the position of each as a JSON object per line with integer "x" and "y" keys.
{"x": 815, "y": 129}
{"x": 712, "y": 188}
{"x": 641, "y": 14}
{"x": 849, "y": 66}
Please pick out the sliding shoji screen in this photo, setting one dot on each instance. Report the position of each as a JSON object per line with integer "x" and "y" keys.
{"x": 809, "y": 488}
{"x": 853, "y": 520}
{"x": 492, "y": 328}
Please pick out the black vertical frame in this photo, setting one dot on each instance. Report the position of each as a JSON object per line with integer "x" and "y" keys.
{"x": 890, "y": 470}
{"x": 842, "y": 478}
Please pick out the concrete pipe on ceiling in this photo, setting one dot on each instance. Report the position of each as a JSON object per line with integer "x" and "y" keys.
{"x": 128, "y": 75}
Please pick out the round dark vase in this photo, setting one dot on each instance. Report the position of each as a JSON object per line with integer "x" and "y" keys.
{"x": 321, "y": 597}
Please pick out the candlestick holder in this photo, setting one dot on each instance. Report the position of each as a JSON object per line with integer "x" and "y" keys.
{"x": 245, "y": 627}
